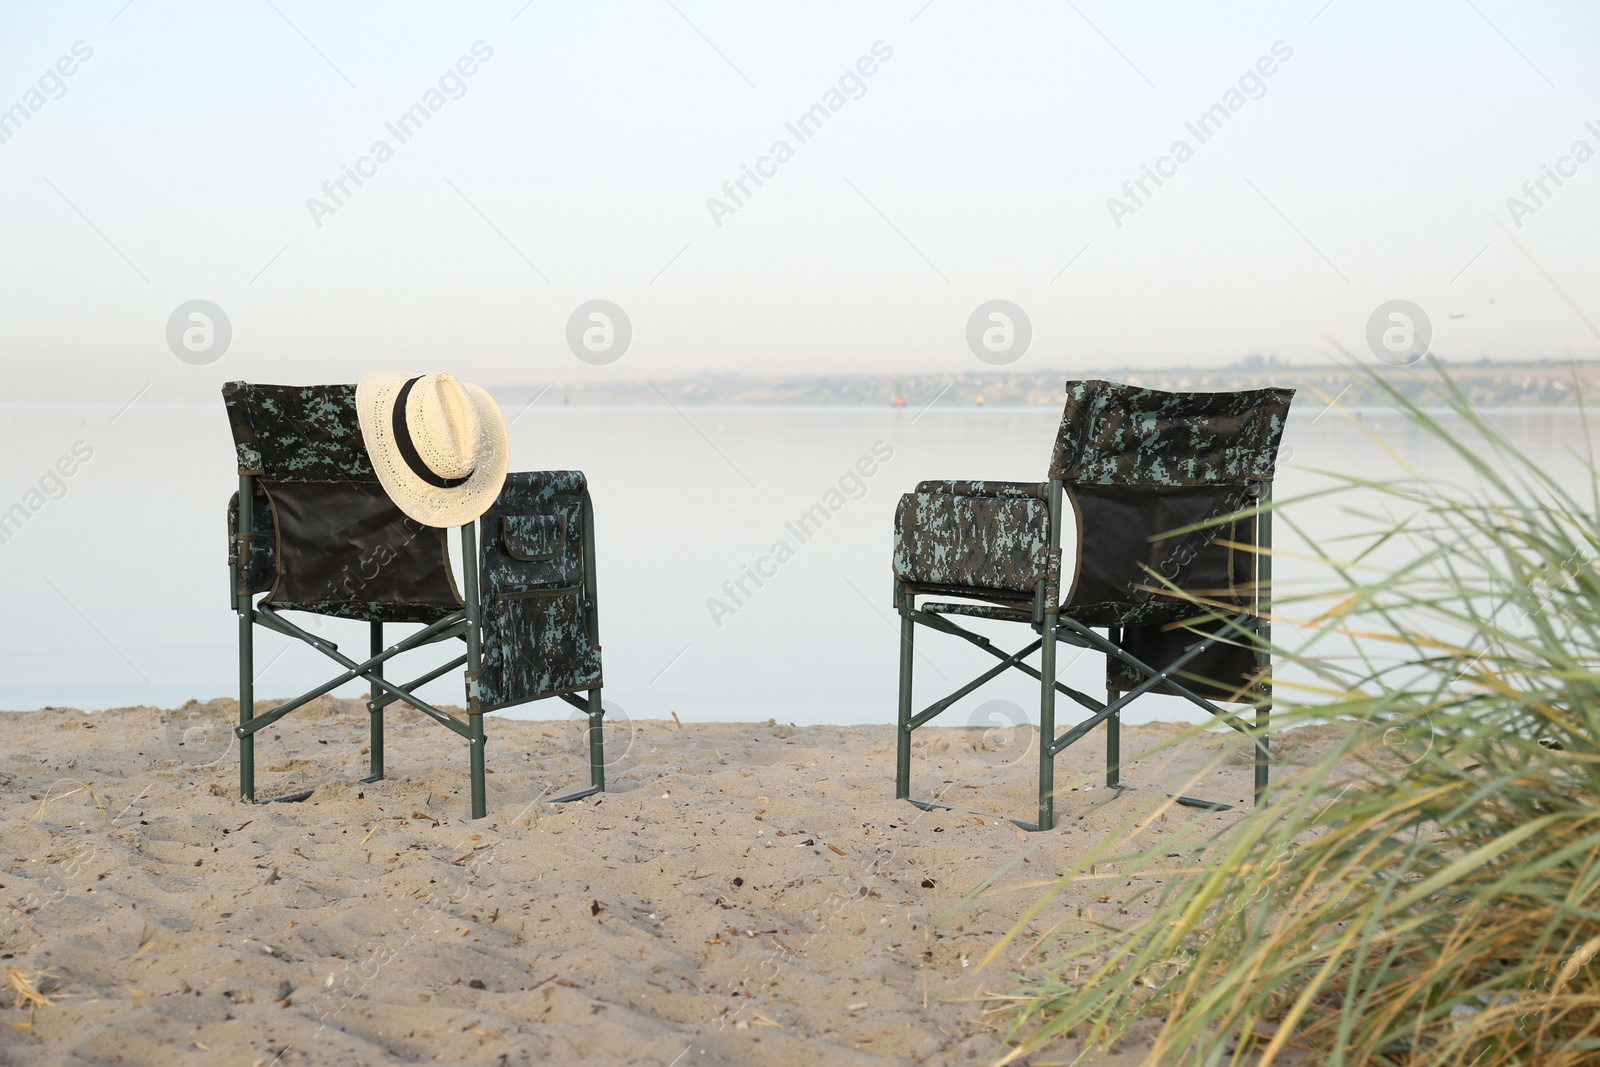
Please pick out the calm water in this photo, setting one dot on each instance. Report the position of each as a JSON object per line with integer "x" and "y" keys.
{"x": 116, "y": 588}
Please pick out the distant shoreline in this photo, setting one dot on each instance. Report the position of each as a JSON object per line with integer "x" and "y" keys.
{"x": 1532, "y": 385}
{"x": 940, "y": 409}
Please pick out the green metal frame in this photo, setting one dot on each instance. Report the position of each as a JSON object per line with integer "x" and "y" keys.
{"x": 591, "y": 705}
{"x": 1253, "y": 625}
{"x": 466, "y": 624}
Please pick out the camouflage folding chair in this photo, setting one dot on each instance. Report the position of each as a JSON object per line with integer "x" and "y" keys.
{"x": 1172, "y": 541}
{"x": 320, "y": 535}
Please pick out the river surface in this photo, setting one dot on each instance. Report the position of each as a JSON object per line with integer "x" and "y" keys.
{"x": 116, "y": 586}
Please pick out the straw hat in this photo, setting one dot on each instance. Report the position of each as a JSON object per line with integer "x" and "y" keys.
{"x": 438, "y": 445}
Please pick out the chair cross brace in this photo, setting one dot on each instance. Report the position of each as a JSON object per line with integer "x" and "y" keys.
{"x": 1152, "y": 680}
{"x": 1101, "y": 710}
{"x": 388, "y": 698}
{"x": 981, "y": 680}
{"x": 1154, "y": 677}
{"x": 1070, "y": 631}
{"x": 943, "y": 625}
{"x": 367, "y": 670}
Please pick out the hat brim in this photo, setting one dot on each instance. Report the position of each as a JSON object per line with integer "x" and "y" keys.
{"x": 429, "y": 504}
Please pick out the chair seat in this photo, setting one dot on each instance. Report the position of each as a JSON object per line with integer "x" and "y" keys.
{"x": 1159, "y": 610}
{"x": 979, "y": 611}
{"x": 1156, "y": 612}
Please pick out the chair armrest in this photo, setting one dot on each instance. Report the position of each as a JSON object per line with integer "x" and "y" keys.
{"x": 541, "y": 631}
{"x": 995, "y": 542}
{"x": 1011, "y": 490}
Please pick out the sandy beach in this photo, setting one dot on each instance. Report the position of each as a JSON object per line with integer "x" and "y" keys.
{"x": 745, "y": 894}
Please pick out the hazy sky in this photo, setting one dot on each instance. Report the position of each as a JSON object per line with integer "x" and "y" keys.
{"x": 968, "y": 153}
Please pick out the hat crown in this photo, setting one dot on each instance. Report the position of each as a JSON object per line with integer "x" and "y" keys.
{"x": 438, "y": 445}
{"x": 444, "y": 424}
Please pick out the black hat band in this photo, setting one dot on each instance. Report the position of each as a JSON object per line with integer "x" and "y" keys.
{"x": 408, "y": 451}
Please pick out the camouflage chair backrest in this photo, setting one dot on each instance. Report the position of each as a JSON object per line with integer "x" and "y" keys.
{"x": 1113, "y": 434}
{"x": 1140, "y": 463}
{"x": 328, "y": 538}
{"x": 297, "y": 433}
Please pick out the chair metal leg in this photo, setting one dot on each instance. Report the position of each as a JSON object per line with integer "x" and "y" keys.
{"x": 1263, "y": 630}
{"x": 1263, "y": 767}
{"x": 595, "y": 710}
{"x": 247, "y": 687}
{"x": 1113, "y": 728}
{"x": 475, "y": 747}
{"x": 1113, "y": 748}
{"x": 1047, "y": 724}
{"x": 902, "y": 761}
{"x": 247, "y": 698}
{"x": 597, "y": 742}
{"x": 375, "y": 711}
{"x": 474, "y": 635}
